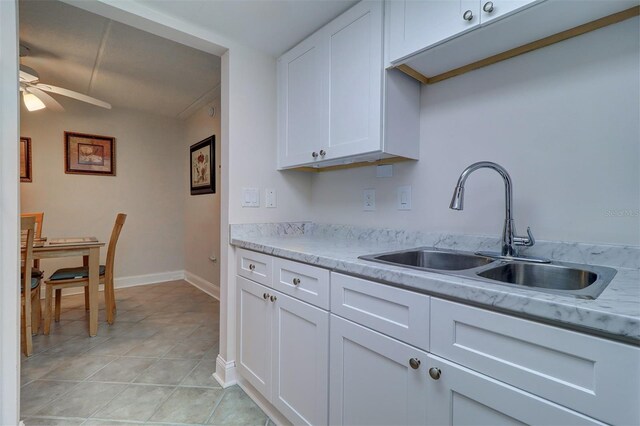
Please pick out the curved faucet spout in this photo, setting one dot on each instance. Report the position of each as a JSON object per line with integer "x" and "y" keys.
{"x": 509, "y": 238}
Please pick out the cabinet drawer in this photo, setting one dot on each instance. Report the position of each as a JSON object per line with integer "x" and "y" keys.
{"x": 399, "y": 313}
{"x": 255, "y": 266}
{"x": 591, "y": 375}
{"x": 305, "y": 282}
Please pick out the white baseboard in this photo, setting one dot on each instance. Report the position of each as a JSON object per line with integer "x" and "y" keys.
{"x": 210, "y": 288}
{"x": 225, "y": 372}
{"x": 132, "y": 281}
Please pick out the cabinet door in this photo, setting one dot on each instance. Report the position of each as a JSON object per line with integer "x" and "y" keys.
{"x": 355, "y": 81}
{"x": 463, "y": 397}
{"x": 415, "y": 25}
{"x": 302, "y": 108}
{"x": 371, "y": 381}
{"x": 300, "y": 361}
{"x": 253, "y": 334}
{"x": 493, "y": 9}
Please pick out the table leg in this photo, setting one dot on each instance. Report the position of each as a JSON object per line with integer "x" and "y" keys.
{"x": 94, "y": 281}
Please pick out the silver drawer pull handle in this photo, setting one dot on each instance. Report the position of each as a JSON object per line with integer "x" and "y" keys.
{"x": 414, "y": 363}
{"x": 296, "y": 281}
{"x": 468, "y": 15}
{"x": 323, "y": 152}
{"x": 488, "y": 7}
{"x": 314, "y": 154}
{"x": 252, "y": 266}
{"x": 435, "y": 373}
{"x": 274, "y": 298}
{"x": 265, "y": 296}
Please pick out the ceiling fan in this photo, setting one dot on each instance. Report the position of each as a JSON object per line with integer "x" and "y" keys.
{"x": 35, "y": 96}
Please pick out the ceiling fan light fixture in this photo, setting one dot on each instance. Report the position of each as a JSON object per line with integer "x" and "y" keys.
{"x": 32, "y": 102}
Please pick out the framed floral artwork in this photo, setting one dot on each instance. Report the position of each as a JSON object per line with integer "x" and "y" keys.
{"x": 203, "y": 157}
{"x": 89, "y": 154}
{"x": 25, "y": 159}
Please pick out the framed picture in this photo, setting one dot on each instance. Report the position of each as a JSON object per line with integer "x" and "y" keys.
{"x": 25, "y": 159}
{"x": 89, "y": 154}
{"x": 203, "y": 158}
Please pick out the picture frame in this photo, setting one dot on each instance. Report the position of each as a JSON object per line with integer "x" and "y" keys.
{"x": 202, "y": 158}
{"x": 87, "y": 154}
{"x": 25, "y": 160}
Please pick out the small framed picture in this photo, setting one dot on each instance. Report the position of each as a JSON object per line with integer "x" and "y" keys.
{"x": 25, "y": 159}
{"x": 89, "y": 154}
{"x": 203, "y": 158}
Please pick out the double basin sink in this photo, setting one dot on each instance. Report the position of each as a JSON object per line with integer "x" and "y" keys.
{"x": 583, "y": 281}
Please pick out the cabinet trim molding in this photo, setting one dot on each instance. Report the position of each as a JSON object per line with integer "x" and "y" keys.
{"x": 525, "y": 48}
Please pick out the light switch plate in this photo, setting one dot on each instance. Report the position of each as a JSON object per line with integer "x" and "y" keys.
{"x": 369, "y": 200}
{"x": 270, "y": 199}
{"x": 404, "y": 197}
{"x": 250, "y": 197}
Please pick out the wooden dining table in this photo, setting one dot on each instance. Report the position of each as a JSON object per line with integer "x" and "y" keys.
{"x": 91, "y": 256}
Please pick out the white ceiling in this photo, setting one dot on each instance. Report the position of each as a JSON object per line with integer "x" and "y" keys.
{"x": 272, "y": 26}
{"x": 119, "y": 64}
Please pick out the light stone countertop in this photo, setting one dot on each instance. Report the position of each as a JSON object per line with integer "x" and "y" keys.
{"x": 614, "y": 314}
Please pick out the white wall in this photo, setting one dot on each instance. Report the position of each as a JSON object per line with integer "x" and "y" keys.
{"x": 202, "y": 212}
{"x": 148, "y": 186}
{"x": 564, "y": 121}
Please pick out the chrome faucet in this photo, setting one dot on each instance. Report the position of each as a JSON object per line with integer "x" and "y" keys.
{"x": 509, "y": 238}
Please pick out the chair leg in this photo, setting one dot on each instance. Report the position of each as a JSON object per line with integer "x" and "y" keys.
{"x": 86, "y": 298}
{"x": 48, "y": 307}
{"x": 109, "y": 301}
{"x": 58, "y": 301}
{"x": 36, "y": 311}
{"x": 26, "y": 324}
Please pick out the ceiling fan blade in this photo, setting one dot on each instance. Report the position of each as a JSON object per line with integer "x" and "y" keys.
{"x": 28, "y": 74}
{"x": 71, "y": 94}
{"x": 45, "y": 98}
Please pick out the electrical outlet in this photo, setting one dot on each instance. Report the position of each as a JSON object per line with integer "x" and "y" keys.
{"x": 404, "y": 197}
{"x": 270, "y": 198}
{"x": 369, "y": 200}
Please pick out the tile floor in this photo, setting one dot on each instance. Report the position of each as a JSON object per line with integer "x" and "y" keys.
{"x": 153, "y": 365}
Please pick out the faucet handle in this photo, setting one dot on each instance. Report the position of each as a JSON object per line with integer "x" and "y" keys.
{"x": 527, "y": 241}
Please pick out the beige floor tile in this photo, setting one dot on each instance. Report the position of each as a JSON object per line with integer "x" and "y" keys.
{"x": 37, "y": 394}
{"x": 49, "y": 421}
{"x": 37, "y": 366}
{"x": 152, "y": 347}
{"x": 42, "y": 343}
{"x": 237, "y": 408}
{"x": 78, "y": 367}
{"x": 188, "y": 405}
{"x": 137, "y": 402}
{"x": 82, "y": 400}
{"x": 123, "y": 370}
{"x": 190, "y": 348}
{"x": 77, "y": 345}
{"x": 114, "y": 346}
{"x": 202, "y": 375}
{"x": 96, "y": 422}
{"x": 167, "y": 371}
{"x": 70, "y": 328}
{"x": 130, "y": 316}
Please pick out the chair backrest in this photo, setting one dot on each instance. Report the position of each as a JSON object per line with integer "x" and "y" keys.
{"x": 27, "y": 224}
{"x": 39, "y": 217}
{"x": 111, "y": 250}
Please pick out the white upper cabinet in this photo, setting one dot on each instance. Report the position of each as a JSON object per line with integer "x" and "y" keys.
{"x": 334, "y": 95}
{"x": 436, "y": 36}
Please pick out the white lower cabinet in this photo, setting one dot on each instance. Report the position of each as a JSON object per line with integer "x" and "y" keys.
{"x": 372, "y": 381}
{"x": 283, "y": 351}
{"x": 461, "y": 396}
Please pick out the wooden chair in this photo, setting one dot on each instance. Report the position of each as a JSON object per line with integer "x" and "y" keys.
{"x": 29, "y": 285}
{"x": 39, "y": 217}
{"x": 79, "y": 277}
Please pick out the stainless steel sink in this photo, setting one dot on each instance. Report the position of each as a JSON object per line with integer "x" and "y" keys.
{"x": 432, "y": 259}
{"x": 583, "y": 281}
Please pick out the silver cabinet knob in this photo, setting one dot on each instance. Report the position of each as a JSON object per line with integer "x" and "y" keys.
{"x": 323, "y": 153}
{"x": 468, "y": 15}
{"x": 435, "y": 373}
{"x": 314, "y": 154}
{"x": 414, "y": 363}
{"x": 265, "y": 296}
{"x": 273, "y": 298}
{"x": 488, "y": 7}
{"x": 296, "y": 281}
{"x": 252, "y": 266}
